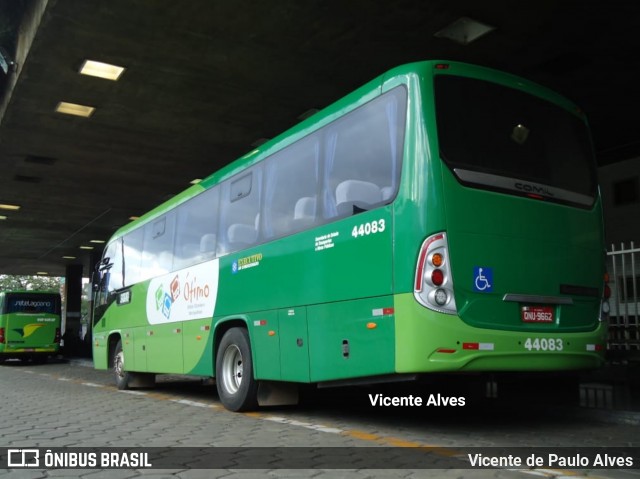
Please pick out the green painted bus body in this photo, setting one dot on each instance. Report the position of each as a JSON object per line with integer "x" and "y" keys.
{"x": 337, "y": 301}
{"x": 29, "y": 323}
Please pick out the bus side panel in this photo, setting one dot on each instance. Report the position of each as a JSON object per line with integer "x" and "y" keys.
{"x": 418, "y": 208}
{"x": 351, "y": 338}
{"x": 346, "y": 259}
{"x": 164, "y": 347}
{"x": 336, "y": 262}
{"x": 265, "y": 344}
{"x": 140, "y": 349}
{"x": 197, "y": 341}
{"x": 294, "y": 344}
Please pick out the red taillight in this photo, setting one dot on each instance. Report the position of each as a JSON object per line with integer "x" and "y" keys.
{"x": 421, "y": 260}
{"x": 2, "y": 341}
{"x": 57, "y": 338}
{"x": 437, "y": 277}
{"x": 607, "y": 291}
{"x": 433, "y": 281}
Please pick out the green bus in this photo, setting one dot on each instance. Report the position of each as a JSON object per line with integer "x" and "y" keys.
{"x": 443, "y": 217}
{"x": 29, "y": 324}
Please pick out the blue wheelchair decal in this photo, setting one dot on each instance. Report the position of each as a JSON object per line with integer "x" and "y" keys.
{"x": 482, "y": 279}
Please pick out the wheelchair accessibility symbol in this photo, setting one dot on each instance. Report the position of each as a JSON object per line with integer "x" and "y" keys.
{"x": 482, "y": 279}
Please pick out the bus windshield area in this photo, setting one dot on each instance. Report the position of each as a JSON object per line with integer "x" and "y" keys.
{"x": 495, "y": 137}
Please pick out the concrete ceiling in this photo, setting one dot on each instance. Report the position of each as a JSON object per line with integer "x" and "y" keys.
{"x": 205, "y": 79}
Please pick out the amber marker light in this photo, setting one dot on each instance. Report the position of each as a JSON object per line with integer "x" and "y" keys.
{"x": 437, "y": 260}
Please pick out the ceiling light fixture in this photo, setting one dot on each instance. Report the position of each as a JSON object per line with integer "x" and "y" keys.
{"x": 101, "y": 70}
{"x": 97, "y": 241}
{"x": 9, "y": 207}
{"x": 465, "y": 30}
{"x": 68, "y": 257}
{"x": 75, "y": 109}
{"x": 86, "y": 247}
{"x": 195, "y": 181}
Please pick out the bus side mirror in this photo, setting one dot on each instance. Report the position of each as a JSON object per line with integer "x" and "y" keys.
{"x": 101, "y": 275}
{"x": 105, "y": 264}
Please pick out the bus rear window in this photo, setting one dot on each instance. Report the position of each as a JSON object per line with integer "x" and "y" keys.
{"x": 500, "y": 138}
{"x": 32, "y": 304}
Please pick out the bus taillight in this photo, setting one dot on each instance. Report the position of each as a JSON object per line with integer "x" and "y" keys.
{"x": 2, "y": 340}
{"x": 58, "y": 336}
{"x": 433, "y": 282}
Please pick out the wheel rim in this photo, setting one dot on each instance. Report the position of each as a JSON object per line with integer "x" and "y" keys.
{"x": 232, "y": 369}
{"x": 118, "y": 365}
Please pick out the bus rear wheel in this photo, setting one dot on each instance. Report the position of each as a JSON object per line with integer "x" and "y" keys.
{"x": 120, "y": 374}
{"x": 237, "y": 388}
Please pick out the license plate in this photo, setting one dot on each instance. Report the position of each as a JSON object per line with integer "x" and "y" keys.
{"x": 537, "y": 314}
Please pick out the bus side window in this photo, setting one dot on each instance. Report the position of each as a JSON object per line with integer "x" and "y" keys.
{"x": 157, "y": 253}
{"x": 291, "y": 187}
{"x": 355, "y": 196}
{"x": 197, "y": 220}
{"x": 132, "y": 247}
{"x": 112, "y": 271}
{"x": 363, "y": 155}
{"x": 239, "y": 211}
{"x": 208, "y": 245}
{"x": 304, "y": 213}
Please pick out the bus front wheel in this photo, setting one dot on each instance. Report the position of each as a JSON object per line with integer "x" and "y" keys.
{"x": 237, "y": 388}
{"x": 121, "y": 376}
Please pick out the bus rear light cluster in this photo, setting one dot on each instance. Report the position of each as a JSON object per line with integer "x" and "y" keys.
{"x": 2, "y": 339}
{"x": 58, "y": 336}
{"x": 433, "y": 282}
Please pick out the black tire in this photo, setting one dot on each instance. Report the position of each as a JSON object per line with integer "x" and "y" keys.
{"x": 237, "y": 388}
{"x": 119, "y": 373}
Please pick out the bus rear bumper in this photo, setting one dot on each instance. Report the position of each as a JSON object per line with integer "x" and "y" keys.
{"x": 427, "y": 341}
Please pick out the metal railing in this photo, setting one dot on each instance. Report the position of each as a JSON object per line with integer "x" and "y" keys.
{"x": 623, "y": 266}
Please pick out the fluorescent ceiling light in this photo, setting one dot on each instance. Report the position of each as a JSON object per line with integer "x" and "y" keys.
{"x": 68, "y": 257}
{"x": 9, "y": 207}
{"x": 86, "y": 247}
{"x": 195, "y": 181}
{"x": 42, "y": 273}
{"x": 75, "y": 109}
{"x": 133, "y": 218}
{"x": 3, "y": 217}
{"x": 97, "y": 241}
{"x": 465, "y": 30}
{"x": 101, "y": 70}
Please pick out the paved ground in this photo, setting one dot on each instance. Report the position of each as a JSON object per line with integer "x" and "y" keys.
{"x": 70, "y": 405}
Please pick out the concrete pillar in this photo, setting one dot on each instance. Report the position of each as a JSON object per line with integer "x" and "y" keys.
{"x": 73, "y": 301}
